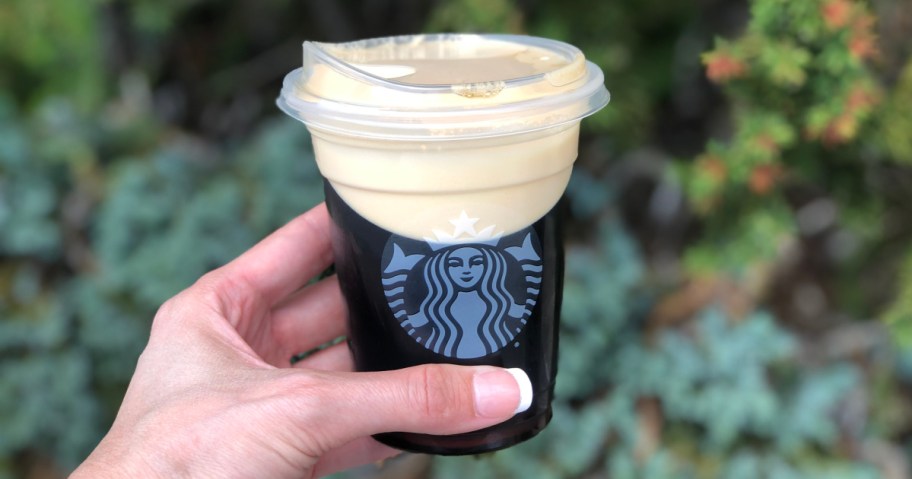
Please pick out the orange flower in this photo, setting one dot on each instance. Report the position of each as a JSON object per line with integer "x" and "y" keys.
{"x": 862, "y": 46}
{"x": 836, "y": 13}
{"x": 840, "y": 130}
{"x": 863, "y": 41}
{"x": 713, "y": 167}
{"x": 860, "y": 98}
{"x": 766, "y": 143}
{"x": 721, "y": 67}
{"x": 763, "y": 178}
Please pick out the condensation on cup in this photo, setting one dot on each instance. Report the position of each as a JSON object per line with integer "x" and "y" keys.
{"x": 445, "y": 158}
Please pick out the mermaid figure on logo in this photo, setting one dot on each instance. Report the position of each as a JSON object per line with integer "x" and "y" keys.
{"x": 468, "y": 310}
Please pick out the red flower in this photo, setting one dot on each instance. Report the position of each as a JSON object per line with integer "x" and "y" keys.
{"x": 721, "y": 67}
{"x": 863, "y": 42}
{"x": 862, "y": 46}
{"x": 860, "y": 98}
{"x": 836, "y": 13}
{"x": 841, "y": 130}
{"x": 763, "y": 178}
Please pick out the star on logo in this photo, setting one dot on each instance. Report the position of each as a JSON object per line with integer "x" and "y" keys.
{"x": 464, "y": 224}
{"x": 463, "y": 232}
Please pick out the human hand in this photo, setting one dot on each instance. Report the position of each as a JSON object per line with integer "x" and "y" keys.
{"x": 214, "y": 393}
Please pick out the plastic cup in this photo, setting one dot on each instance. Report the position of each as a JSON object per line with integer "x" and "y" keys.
{"x": 444, "y": 158}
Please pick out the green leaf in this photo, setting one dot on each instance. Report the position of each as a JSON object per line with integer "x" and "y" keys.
{"x": 785, "y": 63}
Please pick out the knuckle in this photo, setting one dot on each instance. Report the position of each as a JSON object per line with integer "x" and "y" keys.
{"x": 434, "y": 392}
{"x": 210, "y": 288}
{"x": 165, "y": 311}
{"x": 171, "y": 324}
{"x": 302, "y": 398}
{"x": 317, "y": 230}
{"x": 168, "y": 313}
{"x": 213, "y": 293}
{"x": 294, "y": 387}
{"x": 229, "y": 295}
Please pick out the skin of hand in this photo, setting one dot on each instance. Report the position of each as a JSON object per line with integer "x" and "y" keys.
{"x": 214, "y": 393}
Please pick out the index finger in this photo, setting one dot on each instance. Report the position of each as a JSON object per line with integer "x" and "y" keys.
{"x": 286, "y": 259}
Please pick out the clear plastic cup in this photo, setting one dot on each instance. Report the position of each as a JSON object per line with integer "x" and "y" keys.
{"x": 444, "y": 158}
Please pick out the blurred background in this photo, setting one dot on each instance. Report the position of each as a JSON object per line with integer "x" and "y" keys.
{"x": 738, "y": 297}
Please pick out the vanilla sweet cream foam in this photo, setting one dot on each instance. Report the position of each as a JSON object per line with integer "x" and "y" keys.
{"x": 413, "y": 132}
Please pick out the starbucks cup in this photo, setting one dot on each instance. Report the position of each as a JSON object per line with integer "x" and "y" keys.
{"x": 444, "y": 157}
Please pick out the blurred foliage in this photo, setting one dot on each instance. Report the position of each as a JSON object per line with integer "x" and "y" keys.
{"x": 896, "y": 123}
{"x": 800, "y": 88}
{"x": 816, "y": 133}
{"x": 476, "y": 16}
{"x": 899, "y": 315}
{"x": 146, "y": 229}
{"x": 719, "y": 313}
{"x": 716, "y": 399}
{"x": 50, "y": 49}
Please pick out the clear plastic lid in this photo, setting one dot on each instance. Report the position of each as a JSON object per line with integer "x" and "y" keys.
{"x": 442, "y": 86}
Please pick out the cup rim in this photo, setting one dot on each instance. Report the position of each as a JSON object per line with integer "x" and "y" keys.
{"x": 578, "y": 91}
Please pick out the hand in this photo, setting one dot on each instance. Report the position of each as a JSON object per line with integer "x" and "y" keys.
{"x": 214, "y": 393}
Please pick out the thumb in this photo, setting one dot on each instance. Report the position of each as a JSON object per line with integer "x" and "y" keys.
{"x": 428, "y": 399}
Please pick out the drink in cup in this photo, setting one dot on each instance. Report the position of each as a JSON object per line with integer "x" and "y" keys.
{"x": 444, "y": 159}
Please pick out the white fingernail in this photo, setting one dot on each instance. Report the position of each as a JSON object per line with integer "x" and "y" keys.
{"x": 525, "y": 389}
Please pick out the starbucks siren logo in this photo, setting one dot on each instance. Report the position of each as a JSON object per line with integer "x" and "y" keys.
{"x": 464, "y": 294}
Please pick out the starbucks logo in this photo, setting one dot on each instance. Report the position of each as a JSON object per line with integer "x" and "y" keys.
{"x": 464, "y": 294}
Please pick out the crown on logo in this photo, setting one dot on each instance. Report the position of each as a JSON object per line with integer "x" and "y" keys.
{"x": 463, "y": 232}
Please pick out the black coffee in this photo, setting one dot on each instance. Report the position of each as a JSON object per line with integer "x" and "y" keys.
{"x": 467, "y": 296}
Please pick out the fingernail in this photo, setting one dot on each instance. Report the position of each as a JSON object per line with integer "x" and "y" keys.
{"x": 525, "y": 389}
{"x": 496, "y": 391}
